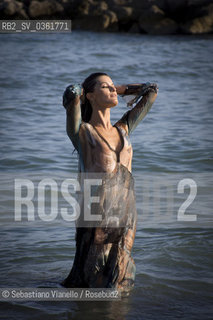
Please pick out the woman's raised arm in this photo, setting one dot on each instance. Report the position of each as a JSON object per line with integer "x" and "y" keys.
{"x": 148, "y": 93}
{"x": 71, "y": 102}
{"x": 129, "y": 89}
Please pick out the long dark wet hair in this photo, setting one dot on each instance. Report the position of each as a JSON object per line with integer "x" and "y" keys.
{"x": 88, "y": 86}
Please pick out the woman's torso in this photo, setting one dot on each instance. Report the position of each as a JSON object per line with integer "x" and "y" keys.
{"x": 96, "y": 153}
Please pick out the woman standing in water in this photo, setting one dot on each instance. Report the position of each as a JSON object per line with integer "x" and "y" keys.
{"x": 103, "y": 250}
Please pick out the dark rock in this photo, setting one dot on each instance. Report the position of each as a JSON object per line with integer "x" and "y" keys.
{"x": 46, "y": 8}
{"x": 112, "y": 3}
{"x": 164, "y": 26}
{"x": 102, "y": 6}
{"x": 185, "y": 10}
{"x": 123, "y": 13}
{"x": 83, "y": 8}
{"x": 94, "y": 15}
{"x": 154, "y": 21}
{"x": 98, "y": 8}
{"x": 12, "y": 9}
{"x": 134, "y": 28}
{"x": 113, "y": 22}
{"x": 144, "y": 16}
{"x": 152, "y": 13}
{"x": 125, "y": 17}
{"x": 71, "y": 8}
{"x": 200, "y": 25}
{"x": 175, "y": 5}
{"x": 107, "y": 21}
{"x": 92, "y": 8}
{"x": 198, "y": 2}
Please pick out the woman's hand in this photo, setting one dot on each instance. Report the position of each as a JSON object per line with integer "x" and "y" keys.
{"x": 136, "y": 88}
{"x": 149, "y": 87}
{"x": 70, "y": 94}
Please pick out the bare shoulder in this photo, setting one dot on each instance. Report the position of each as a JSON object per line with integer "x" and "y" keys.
{"x": 86, "y": 133}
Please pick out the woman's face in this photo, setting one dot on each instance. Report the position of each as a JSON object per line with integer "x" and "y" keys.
{"x": 104, "y": 94}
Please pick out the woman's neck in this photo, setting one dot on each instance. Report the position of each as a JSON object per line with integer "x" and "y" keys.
{"x": 101, "y": 118}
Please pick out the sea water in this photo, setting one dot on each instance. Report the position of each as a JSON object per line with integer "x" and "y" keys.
{"x": 172, "y": 167}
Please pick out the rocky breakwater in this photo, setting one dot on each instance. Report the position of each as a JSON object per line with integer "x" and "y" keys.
{"x": 140, "y": 16}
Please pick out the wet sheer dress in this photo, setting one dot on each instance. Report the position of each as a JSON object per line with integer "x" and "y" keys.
{"x": 103, "y": 248}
